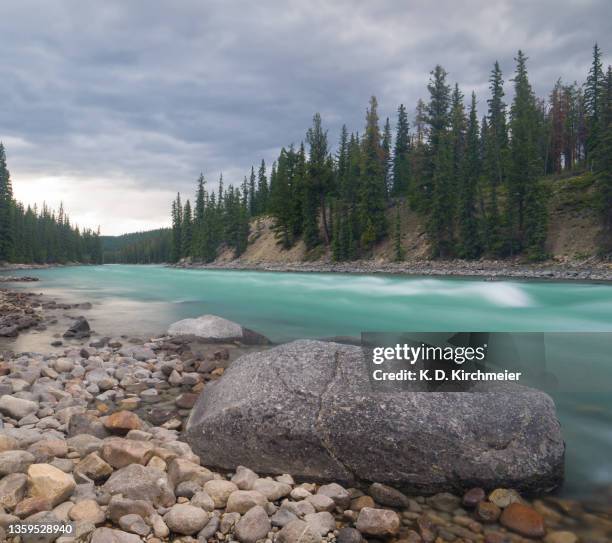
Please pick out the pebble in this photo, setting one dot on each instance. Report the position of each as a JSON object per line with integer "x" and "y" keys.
{"x": 523, "y": 520}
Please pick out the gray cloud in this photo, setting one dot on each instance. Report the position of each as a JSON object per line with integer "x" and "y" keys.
{"x": 136, "y": 98}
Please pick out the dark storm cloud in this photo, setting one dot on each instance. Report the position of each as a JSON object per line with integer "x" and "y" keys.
{"x": 147, "y": 94}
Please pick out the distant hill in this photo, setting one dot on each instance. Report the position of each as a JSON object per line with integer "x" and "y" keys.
{"x": 152, "y": 246}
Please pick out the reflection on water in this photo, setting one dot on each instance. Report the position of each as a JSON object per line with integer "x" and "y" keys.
{"x": 144, "y": 300}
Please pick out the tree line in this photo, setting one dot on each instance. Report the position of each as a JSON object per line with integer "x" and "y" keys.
{"x": 476, "y": 181}
{"x": 31, "y": 235}
{"x": 139, "y": 247}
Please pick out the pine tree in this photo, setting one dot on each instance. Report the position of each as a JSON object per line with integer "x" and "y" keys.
{"x": 262, "y": 190}
{"x": 603, "y": 173}
{"x": 525, "y": 208}
{"x": 593, "y": 93}
{"x": 469, "y": 228}
{"x": 6, "y": 206}
{"x": 386, "y": 157}
{"x": 252, "y": 198}
{"x": 318, "y": 185}
{"x": 401, "y": 155}
{"x": 177, "y": 224}
{"x": 440, "y": 168}
{"x": 187, "y": 231}
{"x": 372, "y": 192}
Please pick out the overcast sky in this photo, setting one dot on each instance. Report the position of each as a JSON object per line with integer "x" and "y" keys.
{"x": 115, "y": 106}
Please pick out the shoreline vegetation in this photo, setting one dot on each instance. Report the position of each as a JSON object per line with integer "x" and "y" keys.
{"x": 104, "y": 420}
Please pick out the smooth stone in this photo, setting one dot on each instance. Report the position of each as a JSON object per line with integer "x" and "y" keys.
{"x": 240, "y": 501}
{"x": 215, "y": 329}
{"x": 15, "y": 462}
{"x": 387, "y": 495}
{"x": 135, "y": 524}
{"x": 12, "y": 489}
{"x": 186, "y": 519}
{"x": 87, "y": 510}
{"x": 16, "y": 408}
{"x": 219, "y": 491}
{"x": 295, "y": 406}
{"x": 298, "y": 531}
{"x": 523, "y": 520}
{"x": 138, "y": 482}
{"x": 378, "y": 522}
{"x": 109, "y": 535}
{"x": 322, "y": 522}
{"x": 253, "y": 526}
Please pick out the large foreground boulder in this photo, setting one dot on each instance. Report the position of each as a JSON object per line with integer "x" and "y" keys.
{"x": 213, "y": 329}
{"x": 307, "y": 408}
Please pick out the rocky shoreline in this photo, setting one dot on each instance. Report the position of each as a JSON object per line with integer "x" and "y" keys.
{"x": 488, "y": 269}
{"x": 91, "y": 437}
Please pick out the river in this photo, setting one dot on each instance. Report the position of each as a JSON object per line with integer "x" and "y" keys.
{"x": 143, "y": 300}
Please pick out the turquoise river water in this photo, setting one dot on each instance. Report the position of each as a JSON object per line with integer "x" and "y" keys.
{"x": 144, "y": 300}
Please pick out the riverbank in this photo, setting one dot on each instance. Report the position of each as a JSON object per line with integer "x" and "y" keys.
{"x": 91, "y": 437}
{"x": 487, "y": 269}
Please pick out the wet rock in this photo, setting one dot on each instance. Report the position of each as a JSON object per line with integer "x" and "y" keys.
{"x": 523, "y": 520}
{"x": 337, "y": 493}
{"x": 487, "y": 512}
{"x": 378, "y": 522}
{"x": 94, "y": 468}
{"x": 295, "y": 406}
{"x": 79, "y": 329}
{"x": 122, "y": 452}
{"x": 445, "y": 502}
{"x": 386, "y": 495}
{"x": 473, "y": 496}
{"x": 503, "y": 497}
{"x": 561, "y": 537}
{"x": 121, "y": 422}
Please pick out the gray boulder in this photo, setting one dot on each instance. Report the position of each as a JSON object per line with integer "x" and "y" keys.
{"x": 213, "y": 329}
{"x": 307, "y": 408}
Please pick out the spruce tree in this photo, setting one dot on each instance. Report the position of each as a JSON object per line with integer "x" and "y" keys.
{"x": 386, "y": 157}
{"x": 401, "y": 155}
{"x": 177, "y": 225}
{"x": 252, "y": 198}
{"x": 469, "y": 228}
{"x": 262, "y": 190}
{"x": 593, "y": 93}
{"x": 6, "y": 206}
{"x": 603, "y": 173}
{"x": 187, "y": 231}
{"x": 525, "y": 207}
{"x": 494, "y": 135}
{"x": 318, "y": 185}
{"x": 372, "y": 194}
